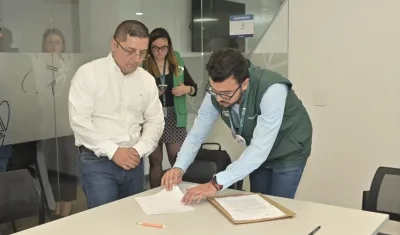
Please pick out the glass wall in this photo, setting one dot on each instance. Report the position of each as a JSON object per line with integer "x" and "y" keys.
{"x": 44, "y": 42}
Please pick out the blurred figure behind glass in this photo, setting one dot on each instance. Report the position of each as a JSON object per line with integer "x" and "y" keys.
{"x": 53, "y": 41}
{"x": 6, "y": 40}
{"x": 65, "y": 193}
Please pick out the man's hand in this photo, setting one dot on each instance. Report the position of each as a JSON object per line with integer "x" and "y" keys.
{"x": 199, "y": 192}
{"x": 126, "y": 158}
{"x": 171, "y": 177}
{"x": 180, "y": 90}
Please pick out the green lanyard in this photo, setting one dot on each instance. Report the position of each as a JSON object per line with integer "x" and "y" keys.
{"x": 242, "y": 116}
{"x": 162, "y": 80}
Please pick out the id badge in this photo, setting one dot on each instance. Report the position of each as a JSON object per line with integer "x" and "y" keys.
{"x": 165, "y": 110}
{"x": 240, "y": 140}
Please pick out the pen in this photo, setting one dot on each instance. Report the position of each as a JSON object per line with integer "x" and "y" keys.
{"x": 151, "y": 225}
{"x": 315, "y": 230}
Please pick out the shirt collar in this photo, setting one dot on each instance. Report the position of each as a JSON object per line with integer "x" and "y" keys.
{"x": 114, "y": 65}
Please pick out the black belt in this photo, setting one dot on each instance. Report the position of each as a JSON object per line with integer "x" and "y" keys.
{"x": 83, "y": 148}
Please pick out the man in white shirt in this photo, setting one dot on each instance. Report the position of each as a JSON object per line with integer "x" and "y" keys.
{"x": 116, "y": 116}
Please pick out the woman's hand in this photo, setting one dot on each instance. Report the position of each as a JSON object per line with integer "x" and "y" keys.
{"x": 180, "y": 90}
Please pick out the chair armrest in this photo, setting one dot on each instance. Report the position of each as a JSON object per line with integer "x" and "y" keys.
{"x": 365, "y": 201}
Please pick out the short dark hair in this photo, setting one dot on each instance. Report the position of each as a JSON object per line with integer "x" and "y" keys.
{"x": 227, "y": 62}
{"x": 132, "y": 28}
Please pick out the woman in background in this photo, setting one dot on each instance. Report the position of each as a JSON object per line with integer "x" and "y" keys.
{"x": 63, "y": 183}
{"x": 169, "y": 70}
{"x": 53, "y": 41}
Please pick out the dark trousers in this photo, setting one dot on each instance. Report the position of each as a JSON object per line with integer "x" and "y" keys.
{"x": 103, "y": 181}
{"x": 276, "y": 182}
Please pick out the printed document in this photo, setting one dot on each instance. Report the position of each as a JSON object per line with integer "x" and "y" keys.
{"x": 249, "y": 207}
{"x": 163, "y": 202}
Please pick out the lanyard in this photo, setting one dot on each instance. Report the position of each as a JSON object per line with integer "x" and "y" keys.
{"x": 241, "y": 118}
{"x": 162, "y": 79}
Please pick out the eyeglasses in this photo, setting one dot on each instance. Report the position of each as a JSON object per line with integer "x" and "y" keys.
{"x": 142, "y": 55}
{"x": 157, "y": 49}
{"x": 210, "y": 90}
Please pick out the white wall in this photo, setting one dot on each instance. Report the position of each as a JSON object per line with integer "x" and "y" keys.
{"x": 98, "y": 20}
{"x": 346, "y": 54}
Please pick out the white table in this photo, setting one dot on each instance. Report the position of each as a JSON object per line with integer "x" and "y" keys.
{"x": 120, "y": 217}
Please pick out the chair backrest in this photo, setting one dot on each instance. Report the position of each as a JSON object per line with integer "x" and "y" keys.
{"x": 384, "y": 195}
{"x": 208, "y": 162}
{"x": 23, "y": 156}
{"x": 18, "y": 196}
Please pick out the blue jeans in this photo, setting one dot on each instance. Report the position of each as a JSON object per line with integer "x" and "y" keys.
{"x": 103, "y": 181}
{"x": 276, "y": 182}
{"x": 5, "y": 154}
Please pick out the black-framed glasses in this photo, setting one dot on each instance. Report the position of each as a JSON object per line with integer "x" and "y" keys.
{"x": 142, "y": 55}
{"x": 210, "y": 91}
{"x": 157, "y": 49}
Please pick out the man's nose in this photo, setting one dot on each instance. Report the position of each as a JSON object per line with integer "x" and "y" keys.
{"x": 219, "y": 99}
{"x": 136, "y": 59}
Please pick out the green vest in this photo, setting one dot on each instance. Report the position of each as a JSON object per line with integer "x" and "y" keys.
{"x": 292, "y": 146}
{"x": 180, "y": 101}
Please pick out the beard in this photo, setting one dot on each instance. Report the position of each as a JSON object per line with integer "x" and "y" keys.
{"x": 225, "y": 104}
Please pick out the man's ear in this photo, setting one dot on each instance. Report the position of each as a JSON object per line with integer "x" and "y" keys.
{"x": 245, "y": 83}
{"x": 114, "y": 45}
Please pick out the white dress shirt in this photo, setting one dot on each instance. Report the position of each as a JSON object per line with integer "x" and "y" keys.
{"x": 108, "y": 110}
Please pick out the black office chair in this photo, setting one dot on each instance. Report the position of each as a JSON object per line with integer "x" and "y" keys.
{"x": 19, "y": 197}
{"x": 24, "y": 156}
{"x": 384, "y": 194}
{"x": 208, "y": 163}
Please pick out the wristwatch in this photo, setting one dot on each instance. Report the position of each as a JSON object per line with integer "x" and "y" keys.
{"x": 215, "y": 184}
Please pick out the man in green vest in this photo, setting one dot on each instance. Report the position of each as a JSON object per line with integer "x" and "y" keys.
{"x": 263, "y": 113}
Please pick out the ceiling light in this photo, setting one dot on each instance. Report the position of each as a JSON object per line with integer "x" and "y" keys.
{"x": 204, "y": 20}
{"x": 139, "y": 13}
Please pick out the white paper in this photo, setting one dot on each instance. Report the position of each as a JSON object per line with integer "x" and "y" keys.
{"x": 249, "y": 207}
{"x": 163, "y": 202}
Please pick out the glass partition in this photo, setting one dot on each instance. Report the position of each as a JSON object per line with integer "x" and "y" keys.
{"x": 271, "y": 49}
{"x": 43, "y": 43}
